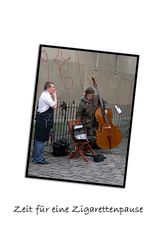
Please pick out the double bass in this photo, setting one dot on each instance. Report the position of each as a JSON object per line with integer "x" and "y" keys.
{"x": 107, "y": 134}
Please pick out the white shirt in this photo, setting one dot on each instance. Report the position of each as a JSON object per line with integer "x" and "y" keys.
{"x": 45, "y": 101}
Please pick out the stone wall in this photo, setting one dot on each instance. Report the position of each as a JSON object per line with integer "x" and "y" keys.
{"x": 71, "y": 71}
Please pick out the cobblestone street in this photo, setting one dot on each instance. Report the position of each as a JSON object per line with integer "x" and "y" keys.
{"x": 111, "y": 171}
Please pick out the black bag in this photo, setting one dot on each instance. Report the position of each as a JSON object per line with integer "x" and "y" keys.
{"x": 60, "y": 148}
{"x": 99, "y": 158}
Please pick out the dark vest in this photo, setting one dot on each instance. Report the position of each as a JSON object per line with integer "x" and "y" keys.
{"x": 43, "y": 125}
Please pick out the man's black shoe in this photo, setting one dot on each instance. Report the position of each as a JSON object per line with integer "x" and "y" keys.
{"x": 42, "y": 162}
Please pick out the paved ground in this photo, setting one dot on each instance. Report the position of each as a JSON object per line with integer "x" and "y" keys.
{"x": 109, "y": 172}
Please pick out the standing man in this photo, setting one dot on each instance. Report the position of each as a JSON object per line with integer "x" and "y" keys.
{"x": 44, "y": 121}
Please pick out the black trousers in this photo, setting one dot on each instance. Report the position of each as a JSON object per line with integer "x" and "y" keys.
{"x": 44, "y": 123}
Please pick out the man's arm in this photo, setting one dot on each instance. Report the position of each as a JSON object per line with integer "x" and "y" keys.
{"x": 54, "y": 101}
{"x": 79, "y": 111}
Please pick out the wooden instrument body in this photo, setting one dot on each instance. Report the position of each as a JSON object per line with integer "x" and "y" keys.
{"x": 107, "y": 134}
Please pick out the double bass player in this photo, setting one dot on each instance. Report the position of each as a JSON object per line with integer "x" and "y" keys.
{"x": 96, "y": 115}
{"x": 87, "y": 108}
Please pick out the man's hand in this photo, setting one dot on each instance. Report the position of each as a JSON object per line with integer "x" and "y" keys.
{"x": 106, "y": 111}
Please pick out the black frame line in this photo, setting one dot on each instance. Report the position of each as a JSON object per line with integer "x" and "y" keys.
{"x": 33, "y": 113}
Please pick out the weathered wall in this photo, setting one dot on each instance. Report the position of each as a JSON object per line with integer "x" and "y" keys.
{"x": 71, "y": 71}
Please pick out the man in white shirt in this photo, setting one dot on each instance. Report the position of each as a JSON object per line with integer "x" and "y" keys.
{"x": 44, "y": 121}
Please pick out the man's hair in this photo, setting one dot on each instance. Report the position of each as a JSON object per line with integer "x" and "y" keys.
{"x": 48, "y": 84}
{"x": 89, "y": 90}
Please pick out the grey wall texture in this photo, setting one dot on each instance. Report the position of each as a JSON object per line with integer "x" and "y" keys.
{"x": 71, "y": 71}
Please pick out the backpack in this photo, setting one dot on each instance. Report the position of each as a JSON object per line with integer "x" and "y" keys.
{"x": 60, "y": 148}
